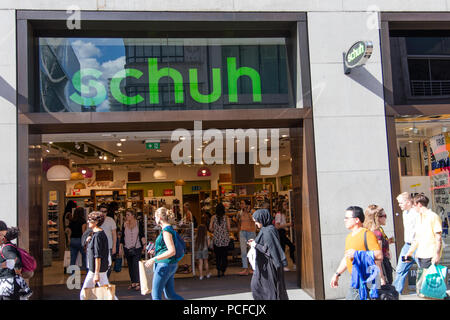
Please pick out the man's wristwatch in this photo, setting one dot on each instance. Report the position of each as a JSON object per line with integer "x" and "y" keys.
{"x": 337, "y": 274}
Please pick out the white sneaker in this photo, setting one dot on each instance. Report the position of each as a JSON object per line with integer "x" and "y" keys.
{"x": 208, "y": 275}
{"x": 201, "y": 278}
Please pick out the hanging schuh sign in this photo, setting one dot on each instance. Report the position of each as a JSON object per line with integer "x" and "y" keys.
{"x": 357, "y": 55}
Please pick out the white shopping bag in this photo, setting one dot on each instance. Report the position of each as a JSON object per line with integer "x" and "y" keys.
{"x": 66, "y": 259}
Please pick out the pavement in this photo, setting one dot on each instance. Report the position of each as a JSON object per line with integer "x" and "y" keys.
{"x": 230, "y": 287}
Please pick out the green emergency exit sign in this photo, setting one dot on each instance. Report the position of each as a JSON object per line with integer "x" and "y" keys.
{"x": 152, "y": 145}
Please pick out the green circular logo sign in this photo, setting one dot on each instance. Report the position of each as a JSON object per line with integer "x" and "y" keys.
{"x": 358, "y": 54}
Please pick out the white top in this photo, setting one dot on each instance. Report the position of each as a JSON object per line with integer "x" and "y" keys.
{"x": 108, "y": 226}
{"x": 132, "y": 237}
{"x": 409, "y": 224}
{"x": 280, "y": 218}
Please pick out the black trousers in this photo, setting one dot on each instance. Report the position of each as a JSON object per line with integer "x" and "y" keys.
{"x": 133, "y": 265}
{"x": 221, "y": 258}
{"x": 284, "y": 241}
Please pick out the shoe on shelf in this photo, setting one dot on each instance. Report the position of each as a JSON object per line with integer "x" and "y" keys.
{"x": 294, "y": 267}
{"x": 286, "y": 269}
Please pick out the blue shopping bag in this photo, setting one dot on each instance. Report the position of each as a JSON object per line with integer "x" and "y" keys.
{"x": 434, "y": 285}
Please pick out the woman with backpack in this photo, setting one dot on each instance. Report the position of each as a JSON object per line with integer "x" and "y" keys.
{"x": 164, "y": 263}
{"x": 12, "y": 284}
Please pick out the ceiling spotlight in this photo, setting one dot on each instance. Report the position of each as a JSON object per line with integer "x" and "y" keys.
{"x": 77, "y": 146}
{"x": 182, "y": 138}
{"x": 85, "y": 148}
{"x": 105, "y": 157}
{"x": 119, "y": 144}
{"x": 50, "y": 142}
{"x": 119, "y": 150}
{"x": 123, "y": 139}
{"x": 100, "y": 156}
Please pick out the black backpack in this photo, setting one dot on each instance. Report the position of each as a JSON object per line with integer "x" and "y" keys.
{"x": 387, "y": 292}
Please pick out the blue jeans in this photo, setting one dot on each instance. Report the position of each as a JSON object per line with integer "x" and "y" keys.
{"x": 402, "y": 270}
{"x": 75, "y": 247}
{"x": 244, "y": 236}
{"x": 163, "y": 280}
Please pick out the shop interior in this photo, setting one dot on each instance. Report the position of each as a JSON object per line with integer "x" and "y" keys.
{"x": 423, "y": 157}
{"x": 122, "y": 170}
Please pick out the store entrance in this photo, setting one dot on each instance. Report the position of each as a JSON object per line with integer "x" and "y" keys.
{"x": 147, "y": 170}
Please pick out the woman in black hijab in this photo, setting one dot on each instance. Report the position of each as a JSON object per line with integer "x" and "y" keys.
{"x": 268, "y": 278}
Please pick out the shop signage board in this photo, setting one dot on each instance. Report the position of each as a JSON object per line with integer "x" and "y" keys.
{"x": 144, "y": 75}
{"x": 168, "y": 192}
{"x": 439, "y": 173}
{"x": 357, "y": 55}
{"x": 153, "y": 145}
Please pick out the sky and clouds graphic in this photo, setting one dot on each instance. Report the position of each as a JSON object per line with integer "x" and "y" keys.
{"x": 105, "y": 55}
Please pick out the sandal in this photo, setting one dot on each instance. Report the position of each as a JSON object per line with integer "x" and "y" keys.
{"x": 137, "y": 288}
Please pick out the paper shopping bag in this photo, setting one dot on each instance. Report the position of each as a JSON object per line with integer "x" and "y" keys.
{"x": 106, "y": 292}
{"x": 145, "y": 278}
{"x": 66, "y": 259}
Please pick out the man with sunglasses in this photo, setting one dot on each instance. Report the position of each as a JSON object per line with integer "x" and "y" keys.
{"x": 353, "y": 220}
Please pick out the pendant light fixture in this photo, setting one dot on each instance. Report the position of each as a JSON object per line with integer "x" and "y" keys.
{"x": 203, "y": 172}
{"x": 160, "y": 174}
{"x": 58, "y": 173}
{"x": 76, "y": 176}
{"x": 180, "y": 182}
{"x": 79, "y": 185}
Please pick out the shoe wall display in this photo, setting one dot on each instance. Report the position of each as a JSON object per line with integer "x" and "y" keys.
{"x": 53, "y": 236}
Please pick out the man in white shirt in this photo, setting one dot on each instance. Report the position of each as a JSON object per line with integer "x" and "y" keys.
{"x": 427, "y": 239}
{"x": 409, "y": 221}
{"x": 109, "y": 226}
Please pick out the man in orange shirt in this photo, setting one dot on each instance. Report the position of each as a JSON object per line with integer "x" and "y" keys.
{"x": 354, "y": 218}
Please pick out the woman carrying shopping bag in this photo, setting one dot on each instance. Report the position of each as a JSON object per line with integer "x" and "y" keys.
{"x": 12, "y": 284}
{"x": 164, "y": 262}
{"x": 132, "y": 243}
{"x": 268, "y": 279}
{"x": 97, "y": 253}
